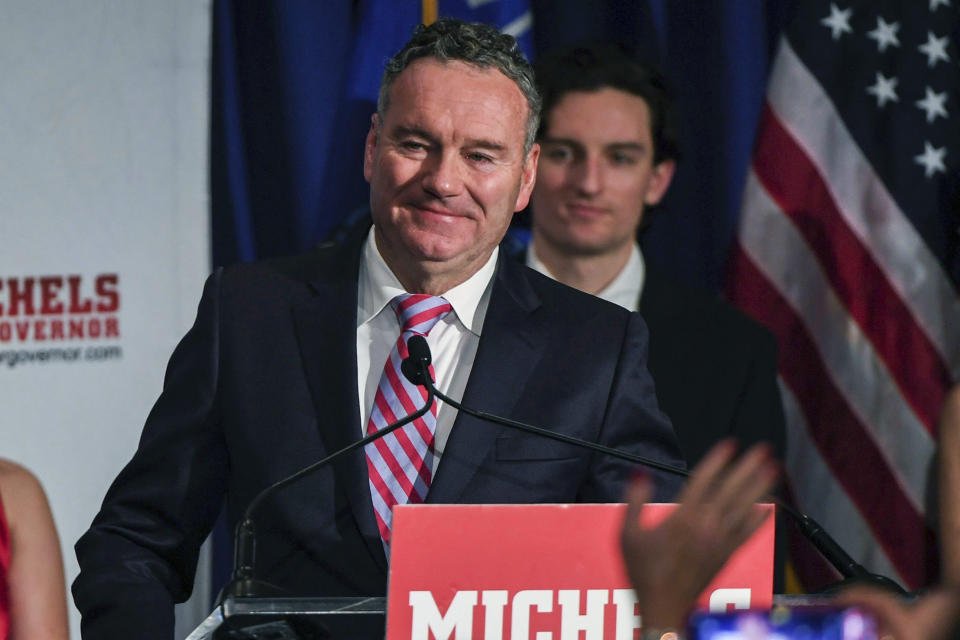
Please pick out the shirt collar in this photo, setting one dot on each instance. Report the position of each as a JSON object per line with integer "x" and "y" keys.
{"x": 623, "y": 290}
{"x": 378, "y": 286}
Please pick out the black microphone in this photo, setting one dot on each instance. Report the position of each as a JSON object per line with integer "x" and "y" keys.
{"x": 416, "y": 368}
{"x": 243, "y": 583}
{"x": 852, "y": 571}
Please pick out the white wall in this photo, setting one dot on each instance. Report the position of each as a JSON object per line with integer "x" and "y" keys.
{"x": 103, "y": 165}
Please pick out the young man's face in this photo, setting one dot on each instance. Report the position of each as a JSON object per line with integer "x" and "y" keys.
{"x": 596, "y": 172}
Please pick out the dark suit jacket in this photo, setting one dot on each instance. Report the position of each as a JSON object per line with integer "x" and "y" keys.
{"x": 715, "y": 369}
{"x": 716, "y": 375}
{"x": 266, "y": 383}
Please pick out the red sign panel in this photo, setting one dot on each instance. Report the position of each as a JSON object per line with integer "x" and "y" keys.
{"x": 537, "y": 571}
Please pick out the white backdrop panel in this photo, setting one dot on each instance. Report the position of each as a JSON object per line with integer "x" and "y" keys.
{"x": 103, "y": 164}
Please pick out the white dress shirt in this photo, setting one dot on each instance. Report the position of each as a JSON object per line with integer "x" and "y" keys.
{"x": 623, "y": 290}
{"x": 453, "y": 340}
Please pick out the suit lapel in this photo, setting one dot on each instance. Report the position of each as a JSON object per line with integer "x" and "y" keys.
{"x": 510, "y": 346}
{"x": 326, "y": 333}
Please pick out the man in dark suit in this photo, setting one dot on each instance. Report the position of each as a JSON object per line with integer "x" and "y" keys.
{"x": 608, "y": 152}
{"x": 284, "y": 364}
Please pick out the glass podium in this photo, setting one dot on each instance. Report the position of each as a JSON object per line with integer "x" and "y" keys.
{"x": 293, "y": 619}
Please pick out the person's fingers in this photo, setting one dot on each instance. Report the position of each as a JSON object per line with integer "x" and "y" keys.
{"x": 887, "y": 609}
{"x": 705, "y": 474}
{"x": 749, "y": 478}
{"x": 638, "y": 492}
{"x": 747, "y": 481}
{"x": 873, "y": 598}
{"x": 723, "y": 493}
{"x": 746, "y": 527}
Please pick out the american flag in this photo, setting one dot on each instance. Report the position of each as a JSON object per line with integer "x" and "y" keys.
{"x": 849, "y": 250}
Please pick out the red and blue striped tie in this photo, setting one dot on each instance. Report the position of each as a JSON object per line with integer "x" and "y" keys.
{"x": 400, "y": 464}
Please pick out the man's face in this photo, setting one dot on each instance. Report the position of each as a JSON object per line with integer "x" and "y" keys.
{"x": 446, "y": 168}
{"x": 596, "y": 173}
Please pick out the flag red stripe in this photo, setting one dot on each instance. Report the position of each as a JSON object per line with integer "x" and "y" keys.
{"x": 841, "y": 438}
{"x": 794, "y": 182}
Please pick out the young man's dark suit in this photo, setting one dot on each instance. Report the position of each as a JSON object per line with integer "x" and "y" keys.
{"x": 716, "y": 376}
{"x": 266, "y": 383}
{"x": 715, "y": 370}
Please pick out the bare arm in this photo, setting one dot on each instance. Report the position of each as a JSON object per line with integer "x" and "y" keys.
{"x": 38, "y": 605}
{"x": 949, "y": 482}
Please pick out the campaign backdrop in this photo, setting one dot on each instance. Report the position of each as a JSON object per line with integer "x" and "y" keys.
{"x": 104, "y": 228}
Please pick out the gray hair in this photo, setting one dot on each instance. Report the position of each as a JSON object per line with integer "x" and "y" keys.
{"x": 476, "y": 44}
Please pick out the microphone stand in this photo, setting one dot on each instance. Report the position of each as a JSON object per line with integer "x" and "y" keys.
{"x": 852, "y": 571}
{"x": 416, "y": 368}
{"x": 243, "y": 583}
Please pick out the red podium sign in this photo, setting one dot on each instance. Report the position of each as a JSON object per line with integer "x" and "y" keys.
{"x": 537, "y": 571}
